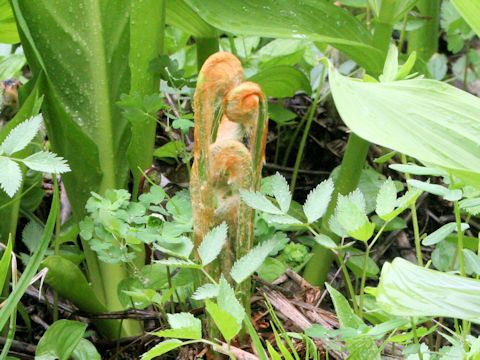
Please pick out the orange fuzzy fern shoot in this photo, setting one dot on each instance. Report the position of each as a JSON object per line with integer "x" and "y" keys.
{"x": 229, "y": 113}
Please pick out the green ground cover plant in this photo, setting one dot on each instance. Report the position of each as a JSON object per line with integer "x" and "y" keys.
{"x": 288, "y": 179}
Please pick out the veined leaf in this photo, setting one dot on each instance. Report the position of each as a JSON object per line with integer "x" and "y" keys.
{"x": 426, "y": 119}
{"x": 406, "y": 289}
{"x": 294, "y": 20}
{"x": 60, "y": 340}
{"x": 470, "y": 11}
{"x": 281, "y": 191}
{"x": 10, "y": 176}
{"x": 213, "y": 243}
{"x": 83, "y": 121}
{"x": 21, "y": 135}
{"x": 248, "y": 264}
{"x": 183, "y": 326}
{"x": 317, "y": 200}
{"x": 181, "y": 15}
{"x": 258, "y": 201}
{"x": 46, "y": 162}
{"x": 418, "y": 170}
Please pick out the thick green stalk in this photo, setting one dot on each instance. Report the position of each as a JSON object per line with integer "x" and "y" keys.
{"x": 425, "y": 39}
{"x": 354, "y": 158}
{"x": 205, "y": 48}
{"x": 147, "y": 34}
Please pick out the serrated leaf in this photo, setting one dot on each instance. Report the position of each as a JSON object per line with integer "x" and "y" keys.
{"x": 386, "y": 198}
{"x": 281, "y": 191}
{"x": 213, "y": 243}
{"x": 441, "y": 233}
{"x": 179, "y": 263}
{"x": 225, "y": 322}
{"x": 472, "y": 206}
{"x": 282, "y": 219}
{"x": 206, "y": 291}
{"x": 317, "y": 200}
{"x": 227, "y": 301}
{"x": 31, "y": 235}
{"x": 183, "y": 326}
{"x": 248, "y": 264}
{"x": 21, "y": 135}
{"x": 162, "y": 348}
{"x": 350, "y": 211}
{"x": 45, "y": 161}
{"x": 447, "y": 194}
{"x": 258, "y": 201}
{"x": 10, "y": 176}
{"x": 472, "y": 261}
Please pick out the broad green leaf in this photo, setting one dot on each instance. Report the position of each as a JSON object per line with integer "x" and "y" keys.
{"x": 281, "y": 191}
{"x": 345, "y": 314}
{"x": 426, "y": 119}
{"x": 225, "y": 322}
{"x": 227, "y": 301}
{"x": 162, "y": 348}
{"x": 258, "y": 201}
{"x": 294, "y": 19}
{"x": 248, "y": 264}
{"x": 406, "y": 289}
{"x": 62, "y": 273}
{"x": 447, "y": 194}
{"x": 181, "y": 15}
{"x": 60, "y": 340}
{"x": 46, "y": 162}
{"x": 21, "y": 135}
{"x": 85, "y": 350}
{"x": 441, "y": 233}
{"x": 171, "y": 149}
{"x": 10, "y": 176}
{"x": 31, "y": 235}
{"x": 5, "y": 262}
{"x": 206, "y": 291}
{"x": 317, "y": 200}
{"x": 8, "y": 28}
{"x": 83, "y": 120}
{"x": 213, "y": 243}
{"x": 470, "y": 11}
{"x": 386, "y": 198}
{"x": 32, "y": 266}
{"x": 281, "y": 81}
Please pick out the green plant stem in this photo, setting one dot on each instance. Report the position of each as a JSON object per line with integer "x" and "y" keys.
{"x": 205, "y": 48}
{"x": 353, "y": 161}
{"x": 425, "y": 39}
{"x": 416, "y": 228}
{"x": 364, "y": 269}
{"x": 415, "y": 338}
{"x": 58, "y": 226}
{"x": 458, "y": 220}
{"x": 306, "y": 131}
